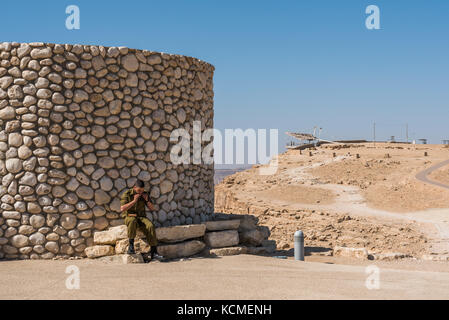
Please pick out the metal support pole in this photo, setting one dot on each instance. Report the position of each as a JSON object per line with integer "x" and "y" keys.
{"x": 299, "y": 245}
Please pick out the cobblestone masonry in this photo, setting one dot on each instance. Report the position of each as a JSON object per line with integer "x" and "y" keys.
{"x": 78, "y": 125}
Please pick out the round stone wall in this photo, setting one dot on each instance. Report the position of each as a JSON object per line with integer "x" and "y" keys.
{"x": 78, "y": 125}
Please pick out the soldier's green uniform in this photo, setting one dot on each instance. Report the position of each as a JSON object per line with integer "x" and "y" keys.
{"x": 140, "y": 221}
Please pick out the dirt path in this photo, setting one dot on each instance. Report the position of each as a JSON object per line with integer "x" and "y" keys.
{"x": 423, "y": 175}
{"x": 434, "y": 222}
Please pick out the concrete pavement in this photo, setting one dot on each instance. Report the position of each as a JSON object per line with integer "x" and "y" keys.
{"x": 233, "y": 277}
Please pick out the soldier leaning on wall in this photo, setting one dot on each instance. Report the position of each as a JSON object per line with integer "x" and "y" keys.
{"x": 133, "y": 203}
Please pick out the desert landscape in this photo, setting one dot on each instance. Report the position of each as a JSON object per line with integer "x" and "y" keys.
{"x": 367, "y": 201}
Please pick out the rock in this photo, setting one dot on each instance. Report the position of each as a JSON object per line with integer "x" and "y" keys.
{"x": 172, "y": 175}
{"x": 115, "y": 107}
{"x": 26, "y": 230}
{"x": 158, "y": 116}
{"x": 12, "y": 215}
{"x": 160, "y": 166}
{"x": 80, "y": 96}
{"x": 254, "y": 237}
{"x": 52, "y": 246}
{"x": 111, "y": 236}
{"x": 144, "y": 176}
{"x": 247, "y": 221}
{"x": 389, "y": 256}
{"x": 28, "y": 179}
{"x": 37, "y": 221}
{"x": 99, "y": 251}
{"x": 162, "y": 144}
{"x": 197, "y": 94}
{"x": 102, "y": 197}
{"x": 359, "y": 253}
{"x": 130, "y": 63}
{"x": 24, "y": 152}
{"x": 154, "y": 59}
{"x": 179, "y": 250}
{"x": 23, "y": 50}
{"x": 69, "y": 144}
{"x": 123, "y": 258}
{"x": 15, "y": 139}
{"x": 106, "y": 162}
{"x": 7, "y": 113}
{"x": 9, "y": 249}
{"x": 230, "y": 251}
{"x": 220, "y": 239}
{"x": 68, "y": 221}
{"x": 140, "y": 245}
{"x": 19, "y": 241}
{"x": 98, "y": 63}
{"x": 132, "y": 258}
{"x": 101, "y": 223}
{"x": 41, "y": 53}
{"x": 180, "y": 233}
{"x": 13, "y": 165}
{"x": 29, "y": 101}
{"x": 5, "y": 82}
{"x": 222, "y": 225}
{"x": 181, "y": 115}
{"x": 15, "y": 92}
{"x": 85, "y": 192}
{"x": 73, "y": 184}
{"x": 162, "y": 216}
{"x": 149, "y": 103}
{"x": 85, "y": 224}
{"x": 270, "y": 245}
{"x": 166, "y": 186}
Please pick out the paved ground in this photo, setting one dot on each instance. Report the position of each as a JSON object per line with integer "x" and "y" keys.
{"x": 422, "y": 176}
{"x": 235, "y": 277}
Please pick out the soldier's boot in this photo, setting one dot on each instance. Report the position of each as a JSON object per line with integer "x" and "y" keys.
{"x": 154, "y": 254}
{"x": 131, "y": 247}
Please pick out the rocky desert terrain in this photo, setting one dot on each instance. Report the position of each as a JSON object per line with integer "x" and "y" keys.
{"x": 378, "y": 201}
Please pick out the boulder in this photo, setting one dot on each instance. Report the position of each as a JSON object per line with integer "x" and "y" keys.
{"x": 219, "y": 239}
{"x": 180, "y": 233}
{"x": 222, "y": 225}
{"x": 359, "y": 253}
{"x": 247, "y": 221}
{"x": 111, "y": 236}
{"x": 389, "y": 256}
{"x": 99, "y": 251}
{"x": 230, "y": 251}
{"x": 123, "y": 258}
{"x": 270, "y": 245}
{"x": 140, "y": 245}
{"x": 179, "y": 250}
{"x": 132, "y": 258}
{"x": 255, "y": 237}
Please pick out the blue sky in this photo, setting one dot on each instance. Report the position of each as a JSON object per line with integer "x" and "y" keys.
{"x": 282, "y": 64}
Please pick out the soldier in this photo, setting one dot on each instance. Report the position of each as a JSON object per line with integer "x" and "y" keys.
{"x": 133, "y": 203}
